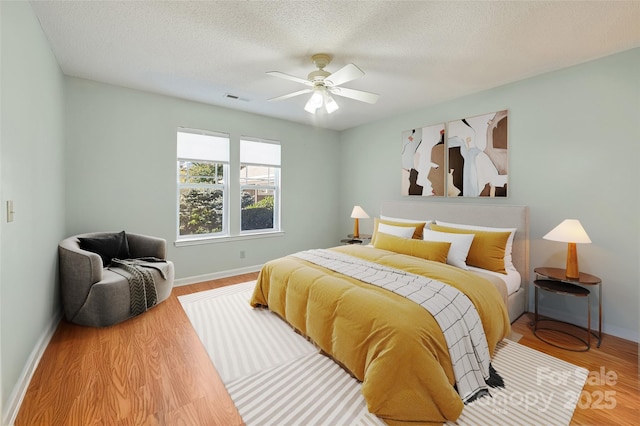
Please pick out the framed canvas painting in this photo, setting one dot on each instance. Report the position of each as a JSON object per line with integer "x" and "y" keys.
{"x": 477, "y": 153}
{"x": 423, "y": 161}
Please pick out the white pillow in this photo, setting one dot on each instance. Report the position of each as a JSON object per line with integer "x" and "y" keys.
{"x": 460, "y": 245}
{"x": 398, "y": 231}
{"x": 508, "y": 259}
{"x": 401, "y": 220}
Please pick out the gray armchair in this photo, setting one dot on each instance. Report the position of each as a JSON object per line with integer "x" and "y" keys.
{"x": 93, "y": 294}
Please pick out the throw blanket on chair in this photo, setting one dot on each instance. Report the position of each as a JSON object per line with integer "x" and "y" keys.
{"x": 455, "y": 313}
{"x": 142, "y": 287}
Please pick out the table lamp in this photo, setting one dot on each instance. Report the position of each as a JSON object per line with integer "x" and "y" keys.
{"x": 570, "y": 231}
{"x": 358, "y": 213}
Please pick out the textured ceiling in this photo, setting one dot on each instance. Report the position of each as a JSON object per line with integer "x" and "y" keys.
{"x": 414, "y": 54}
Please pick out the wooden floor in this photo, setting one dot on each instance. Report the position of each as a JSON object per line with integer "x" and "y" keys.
{"x": 153, "y": 370}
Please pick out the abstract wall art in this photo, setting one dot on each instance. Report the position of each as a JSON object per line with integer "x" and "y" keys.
{"x": 466, "y": 158}
{"x": 423, "y": 161}
{"x": 478, "y": 154}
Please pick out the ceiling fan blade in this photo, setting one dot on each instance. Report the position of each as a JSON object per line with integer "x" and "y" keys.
{"x": 358, "y": 95}
{"x": 343, "y": 75}
{"x": 291, "y": 95}
{"x": 290, "y": 77}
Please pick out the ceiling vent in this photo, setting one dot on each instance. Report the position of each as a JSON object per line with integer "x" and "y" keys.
{"x": 235, "y": 97}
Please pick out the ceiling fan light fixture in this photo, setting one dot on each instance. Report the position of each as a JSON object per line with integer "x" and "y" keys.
{"x": 314, "y": 102}
{"x": 329, "y": 103}
{"x": 323, "y": 84}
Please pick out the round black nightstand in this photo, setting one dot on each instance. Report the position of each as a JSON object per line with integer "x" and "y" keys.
{"x": 554, "y": 280}
{"x": 559, "y": 275}
{"x": 351, "y": 241}
{"x": 362, "y": 239}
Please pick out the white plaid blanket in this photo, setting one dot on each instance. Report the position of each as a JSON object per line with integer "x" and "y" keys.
{"x": 455, "y": 313}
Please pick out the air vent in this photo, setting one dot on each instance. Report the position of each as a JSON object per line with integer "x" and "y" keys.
{"x": 235, "y": 97}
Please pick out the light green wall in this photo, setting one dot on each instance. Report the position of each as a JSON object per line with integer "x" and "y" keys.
{"x": 81, "y": 156}
{"x": 574, "y": 145}
{"x": 121, "y": 165}
{"x": 31, "y": 163}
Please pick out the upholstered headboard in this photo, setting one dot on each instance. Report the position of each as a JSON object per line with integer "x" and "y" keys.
{"x": 499, "y": 215}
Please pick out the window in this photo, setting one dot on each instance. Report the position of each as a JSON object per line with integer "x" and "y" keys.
{"x": 226, "y": 188}
{"x": 203, "y": 170}
{"x": 259, "y": 185}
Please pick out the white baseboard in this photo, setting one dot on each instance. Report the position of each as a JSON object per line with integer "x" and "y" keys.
{"x": 20, "y": 389}
{"x": 216, "y": 275}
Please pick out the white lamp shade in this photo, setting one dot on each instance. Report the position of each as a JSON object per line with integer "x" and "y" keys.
{"x": 569, "y": 231}
{"x": 359, "y": 213}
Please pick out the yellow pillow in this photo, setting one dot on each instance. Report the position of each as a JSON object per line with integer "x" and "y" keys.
{"x": 417, "y": 233}
{"x": 487, "y": 249}
{"x": 430, "y": 250}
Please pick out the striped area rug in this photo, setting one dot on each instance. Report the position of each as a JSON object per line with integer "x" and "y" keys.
{"x": 276, "y": 377}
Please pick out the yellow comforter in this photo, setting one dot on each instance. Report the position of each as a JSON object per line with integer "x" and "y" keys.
{"x": 393, "y": 345}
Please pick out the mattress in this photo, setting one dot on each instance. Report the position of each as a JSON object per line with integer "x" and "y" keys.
{"x": 511, "y": 280}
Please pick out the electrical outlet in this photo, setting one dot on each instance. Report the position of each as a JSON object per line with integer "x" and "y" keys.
{"x": 242, "y": 254}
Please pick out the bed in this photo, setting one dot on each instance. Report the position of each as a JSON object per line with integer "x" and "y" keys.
{"x": 393, "y": 345}
{"x": 501, "y": 216}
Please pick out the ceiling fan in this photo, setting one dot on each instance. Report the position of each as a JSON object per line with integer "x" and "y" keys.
{"x": 322, "y": 84}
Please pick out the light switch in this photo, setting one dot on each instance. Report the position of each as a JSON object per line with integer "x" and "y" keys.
{"x": 9, "y": 211}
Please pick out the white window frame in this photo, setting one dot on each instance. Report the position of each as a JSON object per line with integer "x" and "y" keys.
{"x": 276, "y": 187}
{"x": 224, "y": 186}
{"x": 232, "y": 195}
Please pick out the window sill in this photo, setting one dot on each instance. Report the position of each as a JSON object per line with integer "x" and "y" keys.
{"x": 229, "y": 238}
